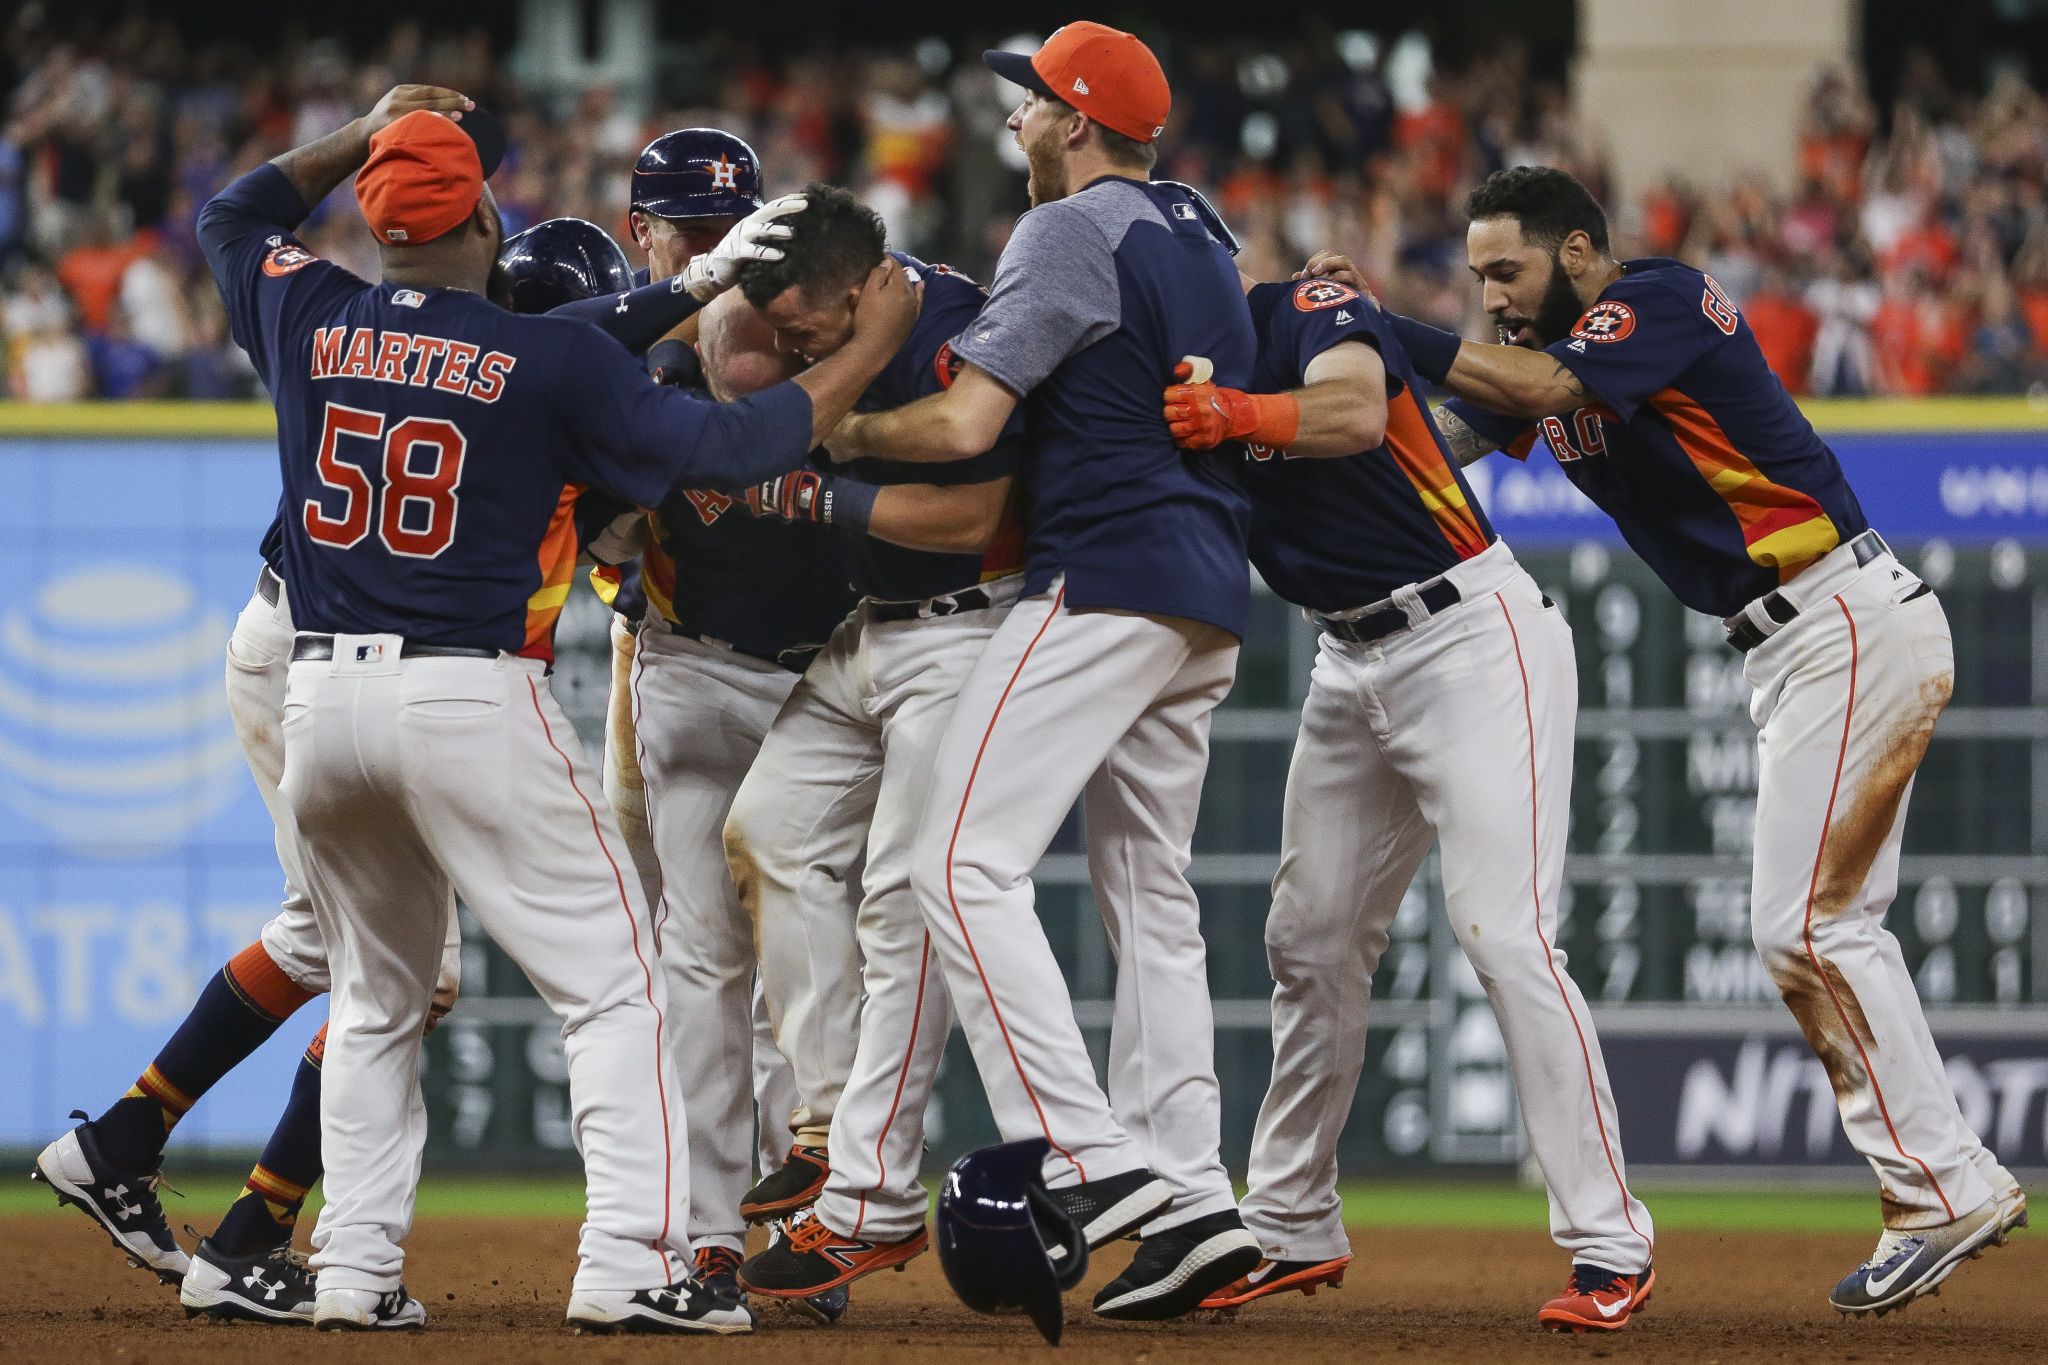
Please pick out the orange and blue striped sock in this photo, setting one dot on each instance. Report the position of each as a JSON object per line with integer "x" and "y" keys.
{"x": 236, "y": 1014}
{"x": 268, "y": 1209}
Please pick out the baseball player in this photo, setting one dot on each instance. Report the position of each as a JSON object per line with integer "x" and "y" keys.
{"x": 1441, "y": 708}
{"x": 736, "y": 608}
{"x": 845, "y": 768}
{"x": 421, "y": 749}
{"x": 1103, "y": 676}
{"x": 108, "y": 1167}
{"x": 1650, "y": 389}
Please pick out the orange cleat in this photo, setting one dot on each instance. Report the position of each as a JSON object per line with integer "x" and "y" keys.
{"x": 807, "y": 1258}
{"x": 1278, "y": 1277}
{"x": 1597, "y": 1299}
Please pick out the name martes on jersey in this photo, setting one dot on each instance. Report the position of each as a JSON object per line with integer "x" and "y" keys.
{"x": 453, "y": 366}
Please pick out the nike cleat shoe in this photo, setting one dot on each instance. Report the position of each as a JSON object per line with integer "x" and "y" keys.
{"x": 123, "y": 1203}
{"x": 685, "y": 1307}
{"x": 271, "y": 1286}
{"x": 1280, "y": 1277}
{"x": 367, "y": 1310}
{"x": 1909, "y": 1264}
{"x": 1114, "y": 1206}
{"x": 807, "y": 1259}
{"x": 796, "y": 1185}
{"x": 1175, "y": 1270}
{"x": 2012, "y": 1211}
{"x": 1597, "y": 1299}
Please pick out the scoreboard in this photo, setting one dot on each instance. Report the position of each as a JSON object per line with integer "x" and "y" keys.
{"x": 1707, "y": 1062}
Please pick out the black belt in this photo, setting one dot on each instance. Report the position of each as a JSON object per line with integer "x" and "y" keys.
{"x": 316, "y": 647}
{"x": 794, "y": 659}
{"x": 951, "y": 604}
{"x": 268, "y": 585}
{"x": 1378, "y": 625}
{"x": 1746, "y": 634}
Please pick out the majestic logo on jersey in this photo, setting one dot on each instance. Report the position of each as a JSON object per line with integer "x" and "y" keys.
{"x": 113, "y": 740}
{"x": 724, "y": 173}
{"x": 1313, "y": 295}
{"x": 1608, "y": 320}
{"x": 1343, "y": 317}
{"x": 947, "y": 365}
{"x": 286, "y": 257}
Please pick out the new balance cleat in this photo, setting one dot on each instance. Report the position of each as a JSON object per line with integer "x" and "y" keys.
{"x": 1909, "y": 1264}
{"x": 796, "y": 1185}
{"x": 272, "y": 1286}
{"x": 1279, "y": 1277}
{"x": 123, "y": 1203}
{"x": 685, "y": 1307}
{"x": 807, "y": 1259}
{"x": 1597, "y": 1299}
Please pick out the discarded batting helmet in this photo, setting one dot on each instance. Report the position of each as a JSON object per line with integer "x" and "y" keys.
{"x": 697, "y": 173}
{"x": 1005, "y": 1246}
{"x": 558, "y": 262}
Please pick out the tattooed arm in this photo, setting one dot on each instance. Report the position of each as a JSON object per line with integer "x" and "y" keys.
{"x": 1514, "y": 380}
{"x": 1466, "y": 444}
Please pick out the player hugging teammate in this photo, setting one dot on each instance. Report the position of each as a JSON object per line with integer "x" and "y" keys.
{"x": 904, "y": 571}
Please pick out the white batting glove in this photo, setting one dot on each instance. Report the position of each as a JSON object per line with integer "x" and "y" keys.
{"x": 753, "y": 238}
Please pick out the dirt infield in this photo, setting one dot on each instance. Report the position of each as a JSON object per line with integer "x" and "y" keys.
{"x": 495, "y": 1289}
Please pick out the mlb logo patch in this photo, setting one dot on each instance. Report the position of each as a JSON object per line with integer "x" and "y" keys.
{"x": 408, "y": 298}
{"x": 1185, "y": 211}
{"x": 370, "y": 654}
{"x": 1607, "y": 320}
{"x": 1313, "y": 295}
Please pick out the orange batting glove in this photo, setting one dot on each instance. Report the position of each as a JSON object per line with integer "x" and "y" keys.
{"x": 1203, "y": 415}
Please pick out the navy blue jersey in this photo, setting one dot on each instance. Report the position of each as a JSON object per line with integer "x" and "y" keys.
{"x": 1331, "y": 534}
{"x": 1691, "y": 444}
{"x": 1096, "y": 299}
{"x": 925, "y": 365}
{"x": 432, "y": 444}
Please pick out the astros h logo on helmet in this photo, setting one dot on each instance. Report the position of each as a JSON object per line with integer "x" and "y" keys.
{"x": 724, "y": 173}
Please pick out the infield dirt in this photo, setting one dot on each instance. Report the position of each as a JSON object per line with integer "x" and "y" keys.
{"x": 495, "y": 1287}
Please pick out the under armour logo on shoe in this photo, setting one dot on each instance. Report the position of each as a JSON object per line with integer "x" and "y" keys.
{"x": 254, "y": 1280}
{"x": 122, "y": 1208}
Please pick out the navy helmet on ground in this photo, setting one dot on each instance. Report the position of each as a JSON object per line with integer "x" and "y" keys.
{"x": 697, "y": 173}
{"x": 557, "y": 262}
{"x": 1005, "y": 1246}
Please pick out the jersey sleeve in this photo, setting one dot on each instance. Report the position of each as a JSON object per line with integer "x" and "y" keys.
{"x": 1055, "y": 293}
{"x": 623, "y": 433}
{"x": 1515, "y": 435}
{"x": 636, "y": 319}
{"x": 270, "y": 283}
{"x": 1318, "y": 315}
{"x": 1635, "y": 342}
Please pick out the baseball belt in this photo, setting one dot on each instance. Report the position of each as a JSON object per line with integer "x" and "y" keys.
{"x": 1437, "y": 596}
{"x": 268, "y": 585}
{"x": 1746, "y": 635}
{"x": 947, "y": 604}
{"x": 307, "y": 647}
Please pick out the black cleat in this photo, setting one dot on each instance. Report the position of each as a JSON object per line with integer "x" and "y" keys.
{"x": 1114, "y": 1206}
{"x": 271, "y": 1286}
{"x": 1176, "y": 1269}
{"x": 674, "y": 1309}
{"x": 796, "y": 1185}
{"x": 124, "y": 1203}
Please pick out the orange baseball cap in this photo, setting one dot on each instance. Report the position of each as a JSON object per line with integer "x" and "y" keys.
{"x": 425, "y": 174}
{"x": 1107, "y": 74}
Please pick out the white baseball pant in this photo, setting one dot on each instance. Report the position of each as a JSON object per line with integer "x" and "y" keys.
{"x": 258, "y": 652}
{"x": 407, "y": 775}
{"x": 1458, "y": 730}
{"x": 699, "y": 715}
{"x": 848, "y": 766}
{"x": 1118, "y": 704}
{"x": 1845, "y": 697}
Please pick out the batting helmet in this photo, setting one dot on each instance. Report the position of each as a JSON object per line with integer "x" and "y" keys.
{"x": 1004, "y": 1244}
{"x": 558, "y": 262}
{"x": 697, "y": 173}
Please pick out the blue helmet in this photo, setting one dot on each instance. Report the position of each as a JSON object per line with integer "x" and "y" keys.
{"x": 697, "y": 173}
{"x": 558, "y": 262}
{"x": 1005, "y": 1246}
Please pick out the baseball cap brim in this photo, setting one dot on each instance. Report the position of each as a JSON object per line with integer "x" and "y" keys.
{"x": 1016, "y": 68}
{"x": 488, "y": 135}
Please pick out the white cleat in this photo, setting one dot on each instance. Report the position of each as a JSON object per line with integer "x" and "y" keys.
{"x": 1907, "y": 1265}
{"x": 367, "y": 1310}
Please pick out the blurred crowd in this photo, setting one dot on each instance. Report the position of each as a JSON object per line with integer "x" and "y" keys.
{"x": 1911, "y": 258}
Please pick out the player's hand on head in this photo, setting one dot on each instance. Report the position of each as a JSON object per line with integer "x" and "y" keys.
{"x": 1331, "y": 265}
{"x": 401, "y": 100}
{"x": 752, "y": 238}
{"x": 888, "y": 304}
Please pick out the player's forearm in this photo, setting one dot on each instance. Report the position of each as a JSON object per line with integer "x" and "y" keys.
{"x": 1336, "y": 419}
{"x": 638, "y": 319}
{"x": 930, "y": 431}
{"x": 957, "y": 520}
{"x": 316, "y": 168}
{"x": 1514, "y": 380}
{"x": 1466, "y": 444}
{"x": 835, "y": 382}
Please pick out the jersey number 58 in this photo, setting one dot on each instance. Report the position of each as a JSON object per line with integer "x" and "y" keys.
{"x": 421, "y": 464}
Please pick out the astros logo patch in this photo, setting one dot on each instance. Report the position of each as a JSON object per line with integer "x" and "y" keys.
{"x": 723, "y": 173}
{"x": 1311, "y": 295}
{"x": 1607, "y": 320}
{"x": 947, "y": 365}
{"x": 287, "y": 257}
